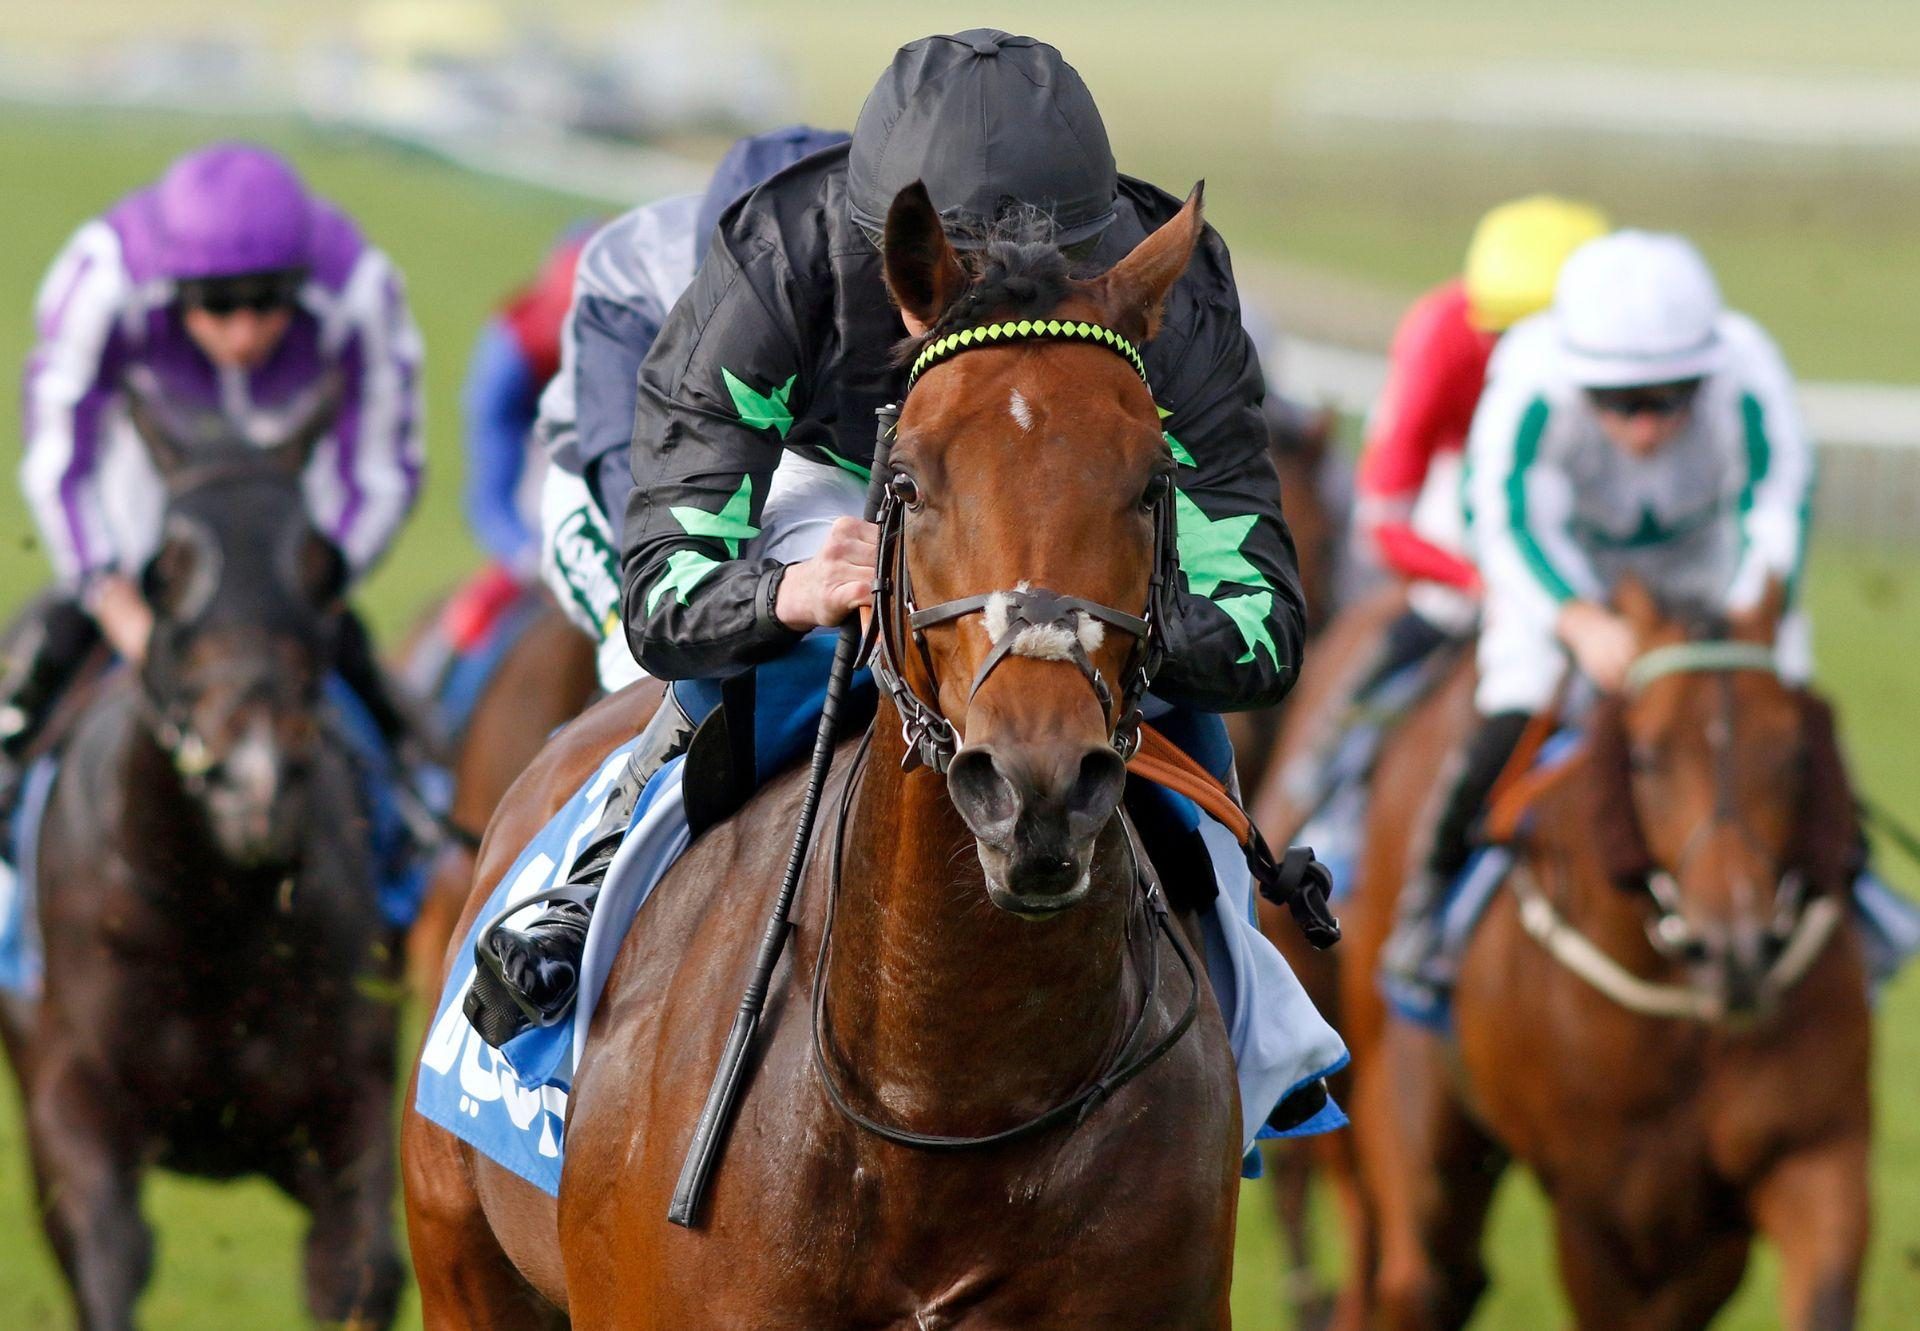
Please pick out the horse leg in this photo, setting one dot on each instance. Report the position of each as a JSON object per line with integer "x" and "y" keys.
{"x": 1431, "y": 1174}
{"x": 1292, "y": 1166}
{"x": 1814, "y": 1206}
{"x": 465, "y": 1277}
{"x": 86, "y": 1163}
{"x": 353, "y": 1271}
{"x": 1608, "y": 1294}
{"x": 1340, "y": 1167}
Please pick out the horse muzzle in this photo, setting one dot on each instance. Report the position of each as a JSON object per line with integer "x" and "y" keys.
{"x": 1036, "y": 814}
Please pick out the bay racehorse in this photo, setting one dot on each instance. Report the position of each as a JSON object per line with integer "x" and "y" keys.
{"x": 214, "y": 959}
{"x": 1663, "y": 1014}
{"x": 956, "y": 998}
{"x": 543, "y": 679}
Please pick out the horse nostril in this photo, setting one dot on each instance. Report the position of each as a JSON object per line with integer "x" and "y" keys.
{"x": 1095, "y": 792}
{"x": 984, "y": 797}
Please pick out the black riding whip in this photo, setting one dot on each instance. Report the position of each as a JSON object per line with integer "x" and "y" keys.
{"x": 704, "y": 1151}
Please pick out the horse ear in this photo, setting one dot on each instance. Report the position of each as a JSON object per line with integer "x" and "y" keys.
{"x": 1636, "y": 604}
{"x": 1136, "y": 288}
{"x": 923, "y": 272}
{"x": 141, "y": 390}
{"x": 1760, "y": 622}
{"x": 311, "y": 423}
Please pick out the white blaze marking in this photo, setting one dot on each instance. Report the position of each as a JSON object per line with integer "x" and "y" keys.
{"x": 1021, "y": 412}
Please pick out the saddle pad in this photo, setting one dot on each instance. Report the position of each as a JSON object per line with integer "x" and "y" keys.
{"x": 467, "y": 676}
{"x": 20, "y": 952}
{"x": 512, "y": 1106}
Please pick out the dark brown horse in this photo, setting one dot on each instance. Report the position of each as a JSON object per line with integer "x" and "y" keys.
{"x": 945, "y": 1012}
{"x": 1663, "y": 1014}
{"x": 542, "y": 682}
{"x": 206, "y": 898}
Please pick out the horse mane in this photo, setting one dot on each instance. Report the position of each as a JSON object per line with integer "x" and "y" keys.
{"x": 1015, "y": 272}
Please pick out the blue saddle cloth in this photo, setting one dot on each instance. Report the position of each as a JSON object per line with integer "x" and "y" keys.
{"x": 465, "y": 680}
{"x": 402, "y": 873}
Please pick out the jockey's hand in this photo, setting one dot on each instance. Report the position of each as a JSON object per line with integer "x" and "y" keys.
{"x": 1602, "y": 643}
{"x": 123, "y": 615}
{"x": 822, "y": 591}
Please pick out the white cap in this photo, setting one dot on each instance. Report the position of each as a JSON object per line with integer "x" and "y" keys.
{"x": 1637, "y": 307}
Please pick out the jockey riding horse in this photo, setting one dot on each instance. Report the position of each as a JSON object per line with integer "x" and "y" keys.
{"x": 235, "y": 293}
{"x": 751, "y": 457}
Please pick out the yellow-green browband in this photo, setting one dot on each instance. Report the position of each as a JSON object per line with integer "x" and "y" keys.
{"x": 1023, "y": 330}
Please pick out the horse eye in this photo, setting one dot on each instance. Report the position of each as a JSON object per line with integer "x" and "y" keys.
{"x": 1157, "y": 486}
{"x": 905, "y": 489}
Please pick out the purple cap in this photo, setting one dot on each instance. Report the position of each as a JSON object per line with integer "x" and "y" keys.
{"x": 231, "y": 208}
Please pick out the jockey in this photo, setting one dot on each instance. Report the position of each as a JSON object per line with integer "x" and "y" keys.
{"x": 1408, "y": 483}
{"x": 781, "y": 352}
{"x": 514, "y": 358}
{"x": 630, "y": 273}
{"x": 237, "y": 291}
{"x": 1638, "y": 427}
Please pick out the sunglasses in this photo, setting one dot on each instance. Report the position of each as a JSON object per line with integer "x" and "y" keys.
{"x": 1645, "y": 399}
{"x": 262, "y": 293}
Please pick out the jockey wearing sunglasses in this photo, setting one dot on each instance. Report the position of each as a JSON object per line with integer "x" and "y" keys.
{"x": 238, "y": 292}
{"x": 1640, "y": 428}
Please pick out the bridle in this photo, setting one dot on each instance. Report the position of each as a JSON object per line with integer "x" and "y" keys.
{"x": 931, "y": 739}
{"x": 1028, "y": 612}
{"x": 1802, "y": 924}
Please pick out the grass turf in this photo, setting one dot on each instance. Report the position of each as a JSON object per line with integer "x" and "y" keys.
{"x": 228, "y": 1253}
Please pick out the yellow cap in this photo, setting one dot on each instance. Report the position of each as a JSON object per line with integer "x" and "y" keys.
{"x": 1514, "y": 258}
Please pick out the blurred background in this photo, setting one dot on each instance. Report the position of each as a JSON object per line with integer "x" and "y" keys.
{"x": 1348, "y": 149}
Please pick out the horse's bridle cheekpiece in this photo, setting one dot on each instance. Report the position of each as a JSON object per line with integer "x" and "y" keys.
{"x": 1023, "y": 620}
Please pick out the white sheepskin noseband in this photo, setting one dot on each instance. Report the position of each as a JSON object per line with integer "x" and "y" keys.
{"x": 1043, "y": 642}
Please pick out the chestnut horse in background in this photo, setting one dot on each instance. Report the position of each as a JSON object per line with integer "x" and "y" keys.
{"x": 544, "y": 680}
{"x": 1663, "y": 1013}
{"x": 959, "y": 999}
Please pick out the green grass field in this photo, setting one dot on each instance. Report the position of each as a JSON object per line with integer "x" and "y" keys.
{"x": 227, "y": 1253}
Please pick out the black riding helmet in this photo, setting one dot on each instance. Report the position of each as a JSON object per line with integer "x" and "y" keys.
{"x": 990, "y": 123}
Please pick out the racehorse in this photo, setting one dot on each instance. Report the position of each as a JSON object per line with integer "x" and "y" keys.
{"x": 1339, "y": 983}
{"x": 990, "y": 952}
{"x": 205, "y": 893}
{"x": 543, "y": 680}
{"x": 1662, "y": 1014}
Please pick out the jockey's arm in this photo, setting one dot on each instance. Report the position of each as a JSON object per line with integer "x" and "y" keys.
{"x": 1433, "y": 378}
{"x": 718, "y": 393}
{"x": 66, "y": 402}
{"x": 498, "y": 403}
{"x": 1522, "y": 503}
{"x": 373, "y": 460}
{"x": 1776, "y": 494}
{"x": 1234, "y": 634}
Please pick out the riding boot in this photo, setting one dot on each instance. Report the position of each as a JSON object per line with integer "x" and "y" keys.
{"x": 55, "y": 637}
{"x": 1414, "y": 959}
{"x": 529, "y": 977}
{"x": 354, "y": 658}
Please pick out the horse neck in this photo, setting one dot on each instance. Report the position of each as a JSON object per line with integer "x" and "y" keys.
{"x": 949, "y": 1013}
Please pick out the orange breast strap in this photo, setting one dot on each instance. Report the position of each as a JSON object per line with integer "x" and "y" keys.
{"x": 1164, "y": 763}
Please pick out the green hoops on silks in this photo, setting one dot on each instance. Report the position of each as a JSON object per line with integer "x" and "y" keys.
{"x": 1023, "y": 330}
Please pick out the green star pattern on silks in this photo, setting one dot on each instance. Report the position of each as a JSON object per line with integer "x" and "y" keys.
{"x": 1210, "y": 548}
{"x": 1249, "y": 614}
{"x": 1179, "y": 449}
{"x": 761, "y": 410}
{"x": 729, "y": 526}
{"x": 685, "y": 568}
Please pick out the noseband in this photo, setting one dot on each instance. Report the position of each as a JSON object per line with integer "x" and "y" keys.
{"x": 1023, "y": 620}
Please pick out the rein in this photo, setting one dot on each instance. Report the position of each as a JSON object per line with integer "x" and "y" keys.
{"x": 1801, "y": 929}
{"x": 1125, "y": 1065}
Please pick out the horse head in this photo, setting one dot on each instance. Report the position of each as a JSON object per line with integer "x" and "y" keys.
{"x": 1713, "y": 797}
{"x": 1029, "y": 519}
{"x": 244, "y": 594}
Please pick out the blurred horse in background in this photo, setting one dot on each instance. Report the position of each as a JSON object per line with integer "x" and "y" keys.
{"x": 1663, "y": 1011}
{"x": 499, "y": 681}
{"x": 215, "y": 963}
